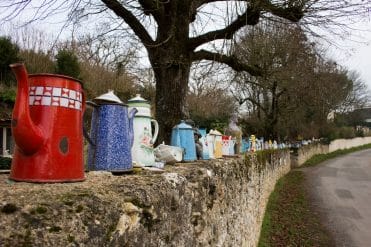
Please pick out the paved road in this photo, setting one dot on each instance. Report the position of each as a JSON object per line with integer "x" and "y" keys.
{"x": 341, "y": 191}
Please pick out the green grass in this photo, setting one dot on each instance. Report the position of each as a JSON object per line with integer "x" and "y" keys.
{"x": 316, "y": 159}
{"x": 289, "y": 220}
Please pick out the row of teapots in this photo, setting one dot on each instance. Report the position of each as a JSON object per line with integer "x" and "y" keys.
{"x": 120, "y": 134}
{"x": 214, "y": 144}
{"x": 47, "y": 128}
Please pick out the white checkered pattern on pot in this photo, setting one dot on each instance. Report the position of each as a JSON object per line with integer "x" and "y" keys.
{"x": 55, "y": 96}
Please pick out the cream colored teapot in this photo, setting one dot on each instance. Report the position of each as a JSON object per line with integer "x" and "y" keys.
{"x": 144, "y": 136}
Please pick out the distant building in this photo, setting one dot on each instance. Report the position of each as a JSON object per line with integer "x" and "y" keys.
{"x": 361, "y": 116}
{"x": 6, "y": 140}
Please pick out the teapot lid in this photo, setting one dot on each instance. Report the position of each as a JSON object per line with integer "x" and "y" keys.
{"x": 214, "y": 132}
{"x": 109, "y": 97}
{"x": 183, "y": 125}
{"x": 141, "y": 104}
{"x": 137, "y": 99}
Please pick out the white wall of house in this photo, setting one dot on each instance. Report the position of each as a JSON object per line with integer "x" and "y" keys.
{"x": 6, "y": 142}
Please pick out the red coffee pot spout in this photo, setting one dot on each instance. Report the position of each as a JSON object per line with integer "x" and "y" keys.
{"x": 27, "y": 135}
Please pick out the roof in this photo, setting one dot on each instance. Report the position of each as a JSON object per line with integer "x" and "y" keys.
{"x": 364, "y": 113}
{"x": 5, "y": 123}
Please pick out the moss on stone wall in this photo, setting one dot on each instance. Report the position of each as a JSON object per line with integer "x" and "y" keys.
{"x": 207, "y": 203}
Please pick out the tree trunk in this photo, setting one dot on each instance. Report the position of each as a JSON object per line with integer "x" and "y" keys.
{"x": 171, "y": 64}
{"x": 272, "y": 117}
{"x": 171, "y": 93}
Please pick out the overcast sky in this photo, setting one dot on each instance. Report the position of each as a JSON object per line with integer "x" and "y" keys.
{"x": 354, "y": 52}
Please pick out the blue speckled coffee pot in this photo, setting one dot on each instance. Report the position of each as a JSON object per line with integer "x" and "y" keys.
{"x": 182, "y": 136}
{"x": 111, "y": 137}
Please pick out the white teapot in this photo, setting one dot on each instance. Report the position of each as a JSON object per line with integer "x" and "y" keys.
{"x": 142, "y": 150}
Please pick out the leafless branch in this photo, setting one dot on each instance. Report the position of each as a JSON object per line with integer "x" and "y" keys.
{"x": 131, "y": 20}
{"x": 229, "y": 60}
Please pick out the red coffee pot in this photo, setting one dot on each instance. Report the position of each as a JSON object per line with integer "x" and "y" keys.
{"x": 47, "y": 128}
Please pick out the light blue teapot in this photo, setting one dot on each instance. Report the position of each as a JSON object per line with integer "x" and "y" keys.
{"x": 182, "y": 135}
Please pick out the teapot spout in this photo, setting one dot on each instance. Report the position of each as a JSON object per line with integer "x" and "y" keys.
{"x": 27, "y": 135}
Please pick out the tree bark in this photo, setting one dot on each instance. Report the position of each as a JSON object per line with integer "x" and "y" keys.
{"x": 171, "y": 92}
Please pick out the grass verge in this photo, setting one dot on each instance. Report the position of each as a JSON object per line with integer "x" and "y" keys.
{"x": 318, "y": 158}
{"x": 289, "y": 220}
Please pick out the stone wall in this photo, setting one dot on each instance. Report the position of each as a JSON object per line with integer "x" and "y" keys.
{"x": 302, "y": 154}
{"x": 214, "y": 203}
{"x": 348, "y": 143}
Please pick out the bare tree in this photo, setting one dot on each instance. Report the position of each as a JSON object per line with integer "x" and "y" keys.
{"x": 298, "y": 87}
{"x": 358, "y": 96}
{"x": 175, "y": 32}
{"x": 284, "y": 54}
{"x": 104, "y": 64}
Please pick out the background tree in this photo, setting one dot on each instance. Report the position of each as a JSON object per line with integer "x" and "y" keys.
{"x": 104, "y": 64}
{"x": 359, "y": 95}
{"x": 38, "y": 61}
{"x": 208, "y": 101}
{"x": 282, "y": 52}
{"x": 67, "y": 64}
{"x": 9, "y": 53}
{"x": 298, "y": 87}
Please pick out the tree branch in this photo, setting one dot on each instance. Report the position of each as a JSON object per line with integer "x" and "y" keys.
{"x": 250, "y": 17}
{"x": 131, "y": 20}
{"x": 257, "y": 104}
{"x": 231, "y": 61}
{"x": 154, "y": 8}
{"x": 293, "y": 12}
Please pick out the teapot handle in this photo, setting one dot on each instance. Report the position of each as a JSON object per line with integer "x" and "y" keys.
{"x": 84, "y": 130}
{"x": 155, "y": 134}
{"x": 131, "y": 126}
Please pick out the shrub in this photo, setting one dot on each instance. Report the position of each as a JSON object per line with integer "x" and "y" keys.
{"x": 5, "y": 163}
{"x": 8, "y": 95}
{"x": 346, "y": 132}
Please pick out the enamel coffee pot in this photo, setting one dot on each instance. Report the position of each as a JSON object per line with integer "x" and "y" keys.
{"x": 210, "y": 145}
{"x": 182, "y": 136}
{"x": 205, "y": 147}
{"x": 225, "y": 143}
{"x": 144, "y": 136}
{"x": 47, "y": 128}
{"x": 218, "y": 143}
{"x": 111, "y": 135}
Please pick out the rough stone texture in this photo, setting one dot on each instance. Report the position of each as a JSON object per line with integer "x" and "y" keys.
{"x": 304, "y": 153}
{"x": 348, "y": 143}
{"x": 214, "y": 203}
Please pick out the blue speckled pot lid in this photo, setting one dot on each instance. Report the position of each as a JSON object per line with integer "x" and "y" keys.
{"x": 108, "y": 97}
{"x": 183, "y": 125}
